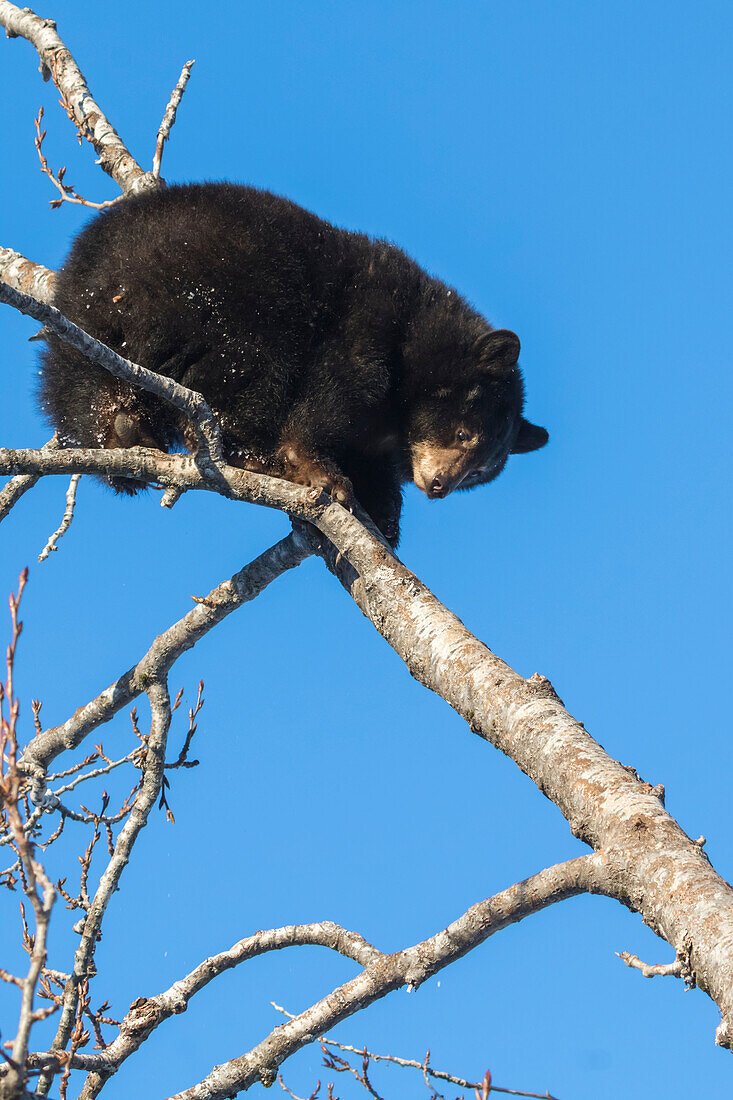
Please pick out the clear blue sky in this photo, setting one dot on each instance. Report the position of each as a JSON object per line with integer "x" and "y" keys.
{"x": 567, "y": 166}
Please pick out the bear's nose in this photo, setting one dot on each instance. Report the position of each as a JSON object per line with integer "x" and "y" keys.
{"x": 437, "y": 487}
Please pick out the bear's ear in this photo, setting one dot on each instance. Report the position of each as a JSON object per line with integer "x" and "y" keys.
{"x": 498, "y": 349}
{"x": 530, "y": 437}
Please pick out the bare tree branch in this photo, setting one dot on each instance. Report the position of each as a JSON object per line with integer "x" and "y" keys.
{"x": 659, "y": 871}
{"x": 147, "y": 1013}
{"x": 382, "y": 974}
{"x": 405, "y": 968}
{"x": 426, "y": 1068}
{"x": 145, "y": 800}
{"x": 50, "y": 801}
{"x": 65, "y": 190}
{"x": 36, "y": 886}
{"x": 643, "y": 858}
{"x": 11, "y": 493}
{"x": 656, "y": 868}
{"x": 88, "y": 117}
{"x": 660, "y": 970}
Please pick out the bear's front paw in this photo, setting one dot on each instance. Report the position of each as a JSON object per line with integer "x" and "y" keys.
{"x": 304, "y": 469}
{"x": 342, "y": 491}
{"x": 338, "y": 487}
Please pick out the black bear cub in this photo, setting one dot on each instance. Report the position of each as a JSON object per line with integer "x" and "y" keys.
{"x": 330, "y": 358}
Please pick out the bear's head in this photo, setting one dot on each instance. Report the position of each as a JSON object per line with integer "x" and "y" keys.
{"x": 462, "y": 431}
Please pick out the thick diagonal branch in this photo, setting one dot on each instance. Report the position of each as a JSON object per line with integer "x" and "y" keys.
{"x": 657, "y": 869}
{"x": 661, "y": 873}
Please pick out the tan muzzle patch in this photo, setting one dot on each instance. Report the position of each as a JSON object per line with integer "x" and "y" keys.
{"x": 437, "y": 471}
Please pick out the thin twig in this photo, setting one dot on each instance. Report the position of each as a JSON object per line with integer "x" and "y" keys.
{"x": 438, "y": 1074}
{"x": 342, "y": 1065}
{"x": 67, "y": 192}
{"x": 50, "y": 800}
{"x": 410, "y": 1063}
{"x": 170, "y": 116}
{"x": 226, "y": 597}
{"x": 132, "y": 757}
{"x": 183, "y": 761}
{"x": 409, "y": 967}
{"x": 659, "y": 970}
{"x": 35, "y": 883}
{"x": 66, "y": 520}
{"x": 290, "y": 1092}
{"x": 145, "y": 799}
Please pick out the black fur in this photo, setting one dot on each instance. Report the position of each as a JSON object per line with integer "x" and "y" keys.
{"x": 326, "y": 355}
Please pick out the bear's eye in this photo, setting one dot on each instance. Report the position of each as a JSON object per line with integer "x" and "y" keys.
{"x": 462, "y": 436}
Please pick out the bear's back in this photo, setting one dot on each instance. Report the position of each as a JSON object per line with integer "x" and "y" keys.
{"x": 213, "y": 257}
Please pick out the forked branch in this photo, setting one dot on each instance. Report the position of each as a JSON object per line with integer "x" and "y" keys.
{"x": 78, "y": 102}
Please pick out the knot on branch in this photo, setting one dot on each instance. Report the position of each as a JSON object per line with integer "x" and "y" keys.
{"x": 177, "y": 1002}
{"x": 267, "y": 1076}
{"x": 415, "y": 976}
{"x": 540, "y": 687}
{"x": 684, "y": 958}
{"x": 143, "y": 1015}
